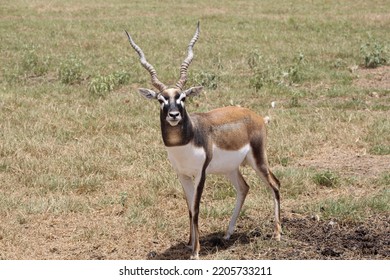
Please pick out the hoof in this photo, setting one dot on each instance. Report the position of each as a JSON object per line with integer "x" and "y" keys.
{"x": 276, "y": 236}
{"x": 194, "y": 256}
{"x": 227, "y": 235}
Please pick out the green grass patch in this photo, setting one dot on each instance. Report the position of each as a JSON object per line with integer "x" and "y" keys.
{"x": 295, "y": 182}
{"x": 326, "y": 179}
{"x": 352, "y": 208}
{"x": 385, "y": 179}
{"x": 378, "y": 137}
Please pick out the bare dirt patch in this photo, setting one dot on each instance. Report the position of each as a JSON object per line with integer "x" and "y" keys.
{"x": 330, "y": 240}
{"x": 373, "y": 78}
{"x": 348, "y": 162}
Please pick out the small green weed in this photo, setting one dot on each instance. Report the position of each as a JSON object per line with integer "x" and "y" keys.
{"x": 32, "y": 64}
{"x": 262, "y": 77}
{"x": 263, "y": 74}
{"x": 293, "y": 74}
{"x": 70, "y": 70}
{"x": 207, "y": 79}
{"x": 326, "y": 179}
{"x": 374, "y": 54}
{"x": 101, "y": 85}
{"x": 266, "y": 74}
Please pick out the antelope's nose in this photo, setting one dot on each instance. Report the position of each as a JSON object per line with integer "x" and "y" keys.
{"x": 174, "y": 114}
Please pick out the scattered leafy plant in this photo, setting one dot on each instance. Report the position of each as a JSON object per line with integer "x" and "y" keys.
{"x": 374, "y": 54}
{"x": 207, "y": 79}
{"x": 32, "y": 64}
{"x": 266, "y": 74}
{"x": 326, "y": 179}
{"x": 70, "y": 70}
{"x": 102, "y": 84}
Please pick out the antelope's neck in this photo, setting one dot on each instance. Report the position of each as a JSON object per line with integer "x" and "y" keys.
{"x": 178, "y": 135}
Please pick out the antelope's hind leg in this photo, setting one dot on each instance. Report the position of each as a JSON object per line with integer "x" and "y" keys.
{"x": 273, "y": 183}
{"x": 242, "y": 189}
{"x": 259, "y": 163}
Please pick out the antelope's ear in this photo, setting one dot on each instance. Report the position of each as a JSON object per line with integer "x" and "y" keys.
{"x": 147, "y": 93}
{"x": 194, "y": 91}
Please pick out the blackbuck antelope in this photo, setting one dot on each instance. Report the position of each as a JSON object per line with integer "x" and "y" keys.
{"x": 219, "y": 141}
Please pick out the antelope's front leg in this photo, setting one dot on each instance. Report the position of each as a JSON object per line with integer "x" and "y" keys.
{"x": 188, "y": 187}
{"x": 199, "y": 185}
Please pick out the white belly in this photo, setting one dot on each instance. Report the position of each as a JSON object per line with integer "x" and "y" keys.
{"x": 189, "y": 159}
{"x": 225, "y": 161}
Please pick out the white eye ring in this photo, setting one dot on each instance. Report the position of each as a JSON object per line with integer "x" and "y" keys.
{"x": 180, "y": 99}
{"x": 162, "y": 99}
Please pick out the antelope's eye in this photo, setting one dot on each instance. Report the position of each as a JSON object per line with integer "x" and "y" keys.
{"x": 162, "y": 99}
{"x": 180, "y": 98}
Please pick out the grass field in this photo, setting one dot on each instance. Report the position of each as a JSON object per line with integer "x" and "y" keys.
{"x": 83, "y": 170}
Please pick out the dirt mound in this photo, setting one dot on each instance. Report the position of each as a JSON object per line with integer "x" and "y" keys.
{"x": 330, "y": 240}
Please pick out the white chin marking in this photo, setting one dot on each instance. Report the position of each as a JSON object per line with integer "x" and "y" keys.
{"x": 174, "y": 123}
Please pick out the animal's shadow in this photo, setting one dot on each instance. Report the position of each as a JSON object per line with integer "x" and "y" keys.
{"x": 210, "y": 244}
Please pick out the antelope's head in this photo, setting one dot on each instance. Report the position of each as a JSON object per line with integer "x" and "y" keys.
{"x": 171, "y": 98}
